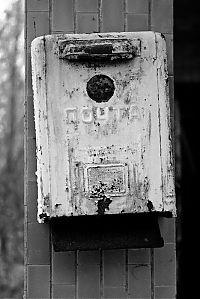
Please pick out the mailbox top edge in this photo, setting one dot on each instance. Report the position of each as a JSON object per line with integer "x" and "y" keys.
{"x": 88, "y": 36}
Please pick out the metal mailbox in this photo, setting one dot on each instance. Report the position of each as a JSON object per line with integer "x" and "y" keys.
{"x": 102, "y": 119}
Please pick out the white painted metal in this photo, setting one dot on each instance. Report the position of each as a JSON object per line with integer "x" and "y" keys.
{"x": 102, "y": 158}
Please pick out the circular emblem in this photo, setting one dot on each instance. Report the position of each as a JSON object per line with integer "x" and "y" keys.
{"x": 100, "y": 88}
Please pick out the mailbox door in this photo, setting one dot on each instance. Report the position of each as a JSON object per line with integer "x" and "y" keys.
{"x": 102, "y": 124}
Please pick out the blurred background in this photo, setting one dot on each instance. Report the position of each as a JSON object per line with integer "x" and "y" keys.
{"x": 186, "y": 85}
{"x": 11, "y": 148}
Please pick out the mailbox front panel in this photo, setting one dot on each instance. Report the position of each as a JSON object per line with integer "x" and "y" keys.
{"x": 102, "y": 124}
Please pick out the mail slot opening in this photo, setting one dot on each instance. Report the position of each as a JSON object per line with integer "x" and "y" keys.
{"x": 100, "y": 88}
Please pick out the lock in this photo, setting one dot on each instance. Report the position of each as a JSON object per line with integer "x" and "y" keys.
{"x": 102, "y": 119}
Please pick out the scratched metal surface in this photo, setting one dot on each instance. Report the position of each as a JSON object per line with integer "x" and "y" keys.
{"x": 101, "y": 154}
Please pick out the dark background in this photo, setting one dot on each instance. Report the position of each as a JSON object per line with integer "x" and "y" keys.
{"x": 187, "y": 79}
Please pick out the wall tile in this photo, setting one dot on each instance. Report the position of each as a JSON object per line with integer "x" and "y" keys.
{"x": 89, "y": 257}
{"x": 87, "y": 22}
{"x": 165, "y": 265}
{"x": 114, "y": 274}
{"x": 162, "y": 16}
{"x": 89, "y": 274}
{"x": 30, "y": 117}
{"x": 115, "y": 292}
{"x": 170, "y": 234}
{"x": 138, "y": 6}
{"x": 32, "y": 202}
{"x": 29, "y": 88}
{"x": 31, "y": 161}
{"x": 38, "y": 244}
{"x": 37, "y": 5}
{"x": 62, "y": 15}
{"x": 61, "y": 32}
{"x": 38, "y": 24}
{"x": 87, "y": 5}
{"x": 169, "y": 46}
{"x": 139, "y": 281}
{"x": 64, "y": 267}
{"x": 167, "y": 225}
{"x": 114, "y": 256}
{"x": 114, "y": 267}
{"x": 38, "y": 282}
{"x": 88, "y": 281}
{"x": 62, "y": 291}
{"x": 139, "y": 256}
{"x": 113, "y": 15}
{"x": 165, "y": 292}
{"x": 63, "y": 263}
{"x": 137, "y": 22}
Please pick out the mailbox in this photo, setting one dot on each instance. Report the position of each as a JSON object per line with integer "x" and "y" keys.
{"x": 102, "y": 119}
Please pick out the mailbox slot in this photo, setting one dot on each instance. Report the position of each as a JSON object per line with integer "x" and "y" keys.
{"x": 98, "y": 50}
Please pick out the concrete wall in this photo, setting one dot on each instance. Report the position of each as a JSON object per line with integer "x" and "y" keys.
{"x": 122, "y": 273}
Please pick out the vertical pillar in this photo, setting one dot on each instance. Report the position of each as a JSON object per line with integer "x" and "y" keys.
{"x": 125, "y": 273}
{"x": 37, "y": 246}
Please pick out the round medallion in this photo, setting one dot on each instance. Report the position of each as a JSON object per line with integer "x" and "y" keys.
{"x": 100, "y": 88}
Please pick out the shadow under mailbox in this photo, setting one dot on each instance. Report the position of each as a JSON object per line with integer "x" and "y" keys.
{"x": 106, "y": 232}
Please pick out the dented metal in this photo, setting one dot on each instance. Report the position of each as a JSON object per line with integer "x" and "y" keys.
{"x": 102, "y": 119}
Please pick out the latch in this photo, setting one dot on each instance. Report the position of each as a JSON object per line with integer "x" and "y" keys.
{"x": 100, "y": 50}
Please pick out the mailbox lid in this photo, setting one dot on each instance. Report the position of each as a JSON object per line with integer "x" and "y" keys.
{"x": 102, "y": 124}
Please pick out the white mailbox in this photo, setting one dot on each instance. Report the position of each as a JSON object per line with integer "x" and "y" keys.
{"x": 102, "y": 119}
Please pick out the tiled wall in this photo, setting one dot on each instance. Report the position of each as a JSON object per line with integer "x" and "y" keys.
{"x": 126, "y": 273}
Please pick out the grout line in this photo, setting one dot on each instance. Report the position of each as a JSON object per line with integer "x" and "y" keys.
{"x": 50, "y": 16}
{"x": 125, "y": 16}
{"x": 152, "y": 272}
{"x": 51, "y": 261}
{"x": 36, "y": 266}
{"x": 86, "y": 12}
{"x": 62, "y": 284}
{"x": 165, "y": 285}
{"x": 126, "y": 271}
{"x": 61, "y": 32}
{"x": 76, "y": 273}
{"x": 149, "y": 14}
{"x": 37, "y": 11}
{"x": 136, "y": 14}
{"x": 25, "y": 293}
{"x": 101, "y": 273}
{"x": 100, "y": 15}
{"x": 75, "y": 16}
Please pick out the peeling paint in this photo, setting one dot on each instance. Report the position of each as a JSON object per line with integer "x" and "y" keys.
{"x": 102, "y": 119}
{"x": 103, "y": 205}
{"x": 97, "y": 194}
{"x": 150, "y": 206}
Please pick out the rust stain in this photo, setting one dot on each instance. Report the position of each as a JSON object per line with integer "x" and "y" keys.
{"x": 101, "y": 200}
{"x": 150, "y": 206}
